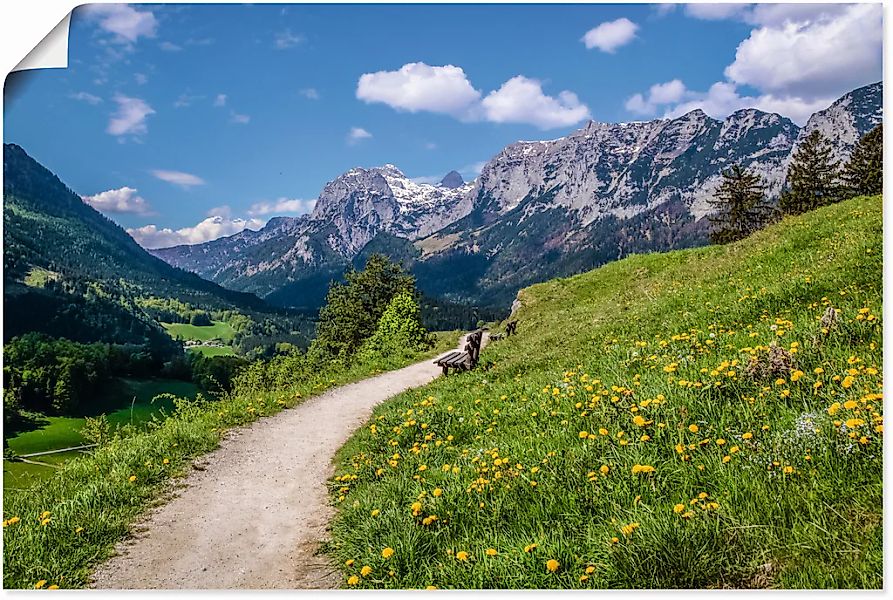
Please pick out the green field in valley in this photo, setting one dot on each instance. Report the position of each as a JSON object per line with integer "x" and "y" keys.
{"x": 220, "y": 330}
{"x": 213, "y": 350}
{"x": 124, "y": 401}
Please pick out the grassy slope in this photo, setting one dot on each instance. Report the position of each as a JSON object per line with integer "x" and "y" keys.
{"x": 220, "y": 330}
{"x": 515, "y": 450}
{"x": 92, "y": 501}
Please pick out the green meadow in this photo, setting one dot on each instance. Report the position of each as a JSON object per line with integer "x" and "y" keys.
{"x": 218, "y": 330}
{"x": 706, "y": 418}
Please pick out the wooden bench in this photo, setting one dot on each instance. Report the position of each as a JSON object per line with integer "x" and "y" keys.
{"x": 463, "y": 361}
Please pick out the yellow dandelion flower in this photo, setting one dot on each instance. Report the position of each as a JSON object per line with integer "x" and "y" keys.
{"x": 437, "y": 493}
{"x": 375, "y": 513}
{"x": 387, "y": 552}
{"x": 366, "y": 571}
{"x": 40, "y": 584}
{"x": 583, "y": 435}
{"x": 491, "y": 552}
{"x": 132, "y": 478}
{"x": 349, "y": 562}
{"x": 693, "y": 428}
{"x": 552, "y": 565}
{"x": 353, "y": 580}
{"x": 746, "y": 436}
{"x": 462, "y": 555}
{"x": 678, "y": 508}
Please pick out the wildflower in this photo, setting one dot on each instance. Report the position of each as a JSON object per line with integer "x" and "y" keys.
{"x": 590, "y": 570}
{"x": 853, "y": 423}
{"x": 462, "y": 555}
{"x": 78, "y": 529}
{"x": 416, "y": 508}
{"x": 491, "y": 552}
{"x": 40, "y": 584}
{"x": 850, "y": 404}
{"x": 603, "y": 431}
{"x": 788, "y": 470}
{"x": 530, "y": 548}
{"x": 637, "y": 468}
{"x": 132, "y": 478}
{"x": 604, "y": 469}
{"x": 552, "y": 565}
{"x": 583, "y": 435}
{"x": 437, "y": 493}
{"x": 639, "y": 420}
{"x": 693, "y": 428}
{"x": 720, "y": 442}
{"x": 366, "y": 571}
{"x": 349, "y": 562}
{"x": 53, "y": 587}
{"x": 614, "y": 540}
{"x": 353, "y": 580}
{"x": 678, "y": 508}
{"x": 387, "y": 552}
{"x": 746, "y": 436}
{"x": 431, "y": 587}
{"x": 375, "y": 513}
{"x": 848, "y": 381}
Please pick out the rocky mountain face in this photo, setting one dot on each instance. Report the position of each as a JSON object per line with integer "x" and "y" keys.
{"x": 539, "y": 209}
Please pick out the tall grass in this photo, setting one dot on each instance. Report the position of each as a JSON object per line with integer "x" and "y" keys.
{"x": 679, "y": 420}
{"x": 55, "y": 533}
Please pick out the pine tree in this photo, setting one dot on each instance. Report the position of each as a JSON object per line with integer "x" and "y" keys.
{"x": 813, "y": 177}
{"x": 863, "y": 175}
{"x": 740, "y": 204}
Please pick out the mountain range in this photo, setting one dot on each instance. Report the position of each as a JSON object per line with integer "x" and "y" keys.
{"x": 538, "y": 209}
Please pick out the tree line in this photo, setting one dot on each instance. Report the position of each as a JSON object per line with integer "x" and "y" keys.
{"x": 814, "y": 179}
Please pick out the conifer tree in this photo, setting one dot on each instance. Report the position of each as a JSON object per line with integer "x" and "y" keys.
{"x": 813, "y": 177}
{"x": 740, "y": 204}
{"x": 863, "y": 175}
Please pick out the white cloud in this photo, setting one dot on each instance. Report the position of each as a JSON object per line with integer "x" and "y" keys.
{"x": 169, "y": 46}
{"x": 220, "y": 100}
{"x": 178, "y": 178}
{"x": 124, "y": 22}
{"x": 659, "y": 94}
{"x": 224, "y": 211}
{"x": 446, "y": 90}
{"x": 235, "y": 117}
{"x": 521, "y": 100}
{"x": 310, "y": 93}
{"x": 723, "y": 98}
{"x": 184, "y": 100}
{"x": 141, "y": 78}
{"x": 121, "y": 200}
{"x": 420, "y": 87}
{"x": 799, "y": 58}
{"x": 611, "y": 35}
{"x": 286, "y": 39}
{"x": 211, "y": 228}
{"x": 86, "y": 97}
{"x": 716, "y": 12}
{"x": 827, "y": 54}
{"x": 130, "y": 118}
{"x": 282, "y": 205}
{"x": 357, "y": 134}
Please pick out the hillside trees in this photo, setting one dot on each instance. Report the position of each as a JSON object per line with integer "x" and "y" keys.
{"x": 863, "y": 174}
{"x": 740, "y": 204}
{"x": 400, "y": 333}
{"x": 354, "y": 307}
{"x": 813, "y": 177}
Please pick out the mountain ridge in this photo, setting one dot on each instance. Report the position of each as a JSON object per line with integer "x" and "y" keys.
{"x": 538, "y": 207}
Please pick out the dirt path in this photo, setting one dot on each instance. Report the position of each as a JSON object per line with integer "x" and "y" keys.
{"x": 254, "y": 516}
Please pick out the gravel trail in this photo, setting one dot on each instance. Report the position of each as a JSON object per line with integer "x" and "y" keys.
{"x": 254, "y": 511}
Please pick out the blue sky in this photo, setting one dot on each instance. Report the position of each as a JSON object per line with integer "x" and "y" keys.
{"x": 186, "y": 122}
